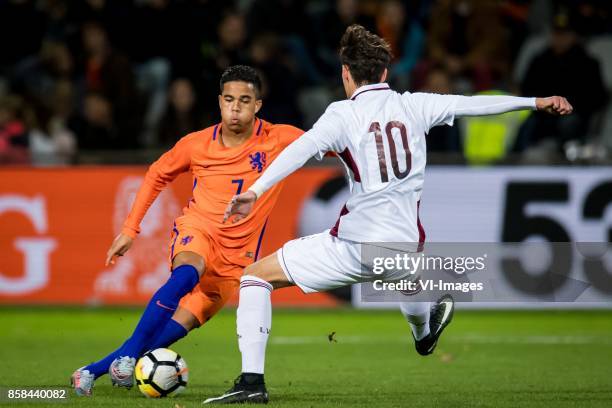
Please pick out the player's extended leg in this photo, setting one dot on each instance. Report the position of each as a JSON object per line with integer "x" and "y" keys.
{"x": 186, "y": 271}
{"x": 428, "y": 321}
{"x": 182, "y": 322}
{"x": 196, "y": 308}
{"x": 417, "y": 314}
{"x": 187, "y": 267}
{"x": 254, "y": 320}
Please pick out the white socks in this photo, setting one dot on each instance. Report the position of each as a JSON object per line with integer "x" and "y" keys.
{"x": 253, "y": 321}
{"x": 417, "y": 314}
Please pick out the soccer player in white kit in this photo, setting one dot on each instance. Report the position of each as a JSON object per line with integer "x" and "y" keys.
{"x": 379, "y": 135}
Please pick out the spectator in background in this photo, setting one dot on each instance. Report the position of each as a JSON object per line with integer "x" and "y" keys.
{"x": 13, "y": 133}
{"x": 228, "y": 49}
{"x": 109, "y": 74}
{"x": 329, "y": 30}
{"x": 515, "y": 16}
{"x": 51, "y": 141}
{"x": 280, "y": 85}
{"x": 291, "y": 22}
{"x": 115, "y": 16}
{"x": 391, "y": 24}
{"x": 36, "y": 77}
{"x": 95, "y": 125}
{"x": 182, "y": 115}
{"x": 44, "y": 80}
{"x": 60, "y": 24}
{"x": 283, "y": 17}
{"x": 565, "y": 67}
{"x": 150, "y": 51}
{"x": 489, "y": 139}
{"x": 469, "y": 39}
{"x": 441, "y": 138}
{"x": 189, "y": 46}
{"x": 406, "y": 37}
{"x": 231, "y": 33}
{"x": 589, "y": 17}
{"x": 342, "y": 15}
{"x": 156, "y": 19}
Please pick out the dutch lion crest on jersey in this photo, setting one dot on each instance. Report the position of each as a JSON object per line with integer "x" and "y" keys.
{"x": 258, "y": 161}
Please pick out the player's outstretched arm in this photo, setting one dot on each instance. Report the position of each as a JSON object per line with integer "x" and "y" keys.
{"x": 325, "y": 136}
{"x": 480, "y": 105}
{"x": 172, "y": 163}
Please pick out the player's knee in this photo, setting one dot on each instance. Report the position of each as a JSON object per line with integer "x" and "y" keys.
{"x": 269, "y": 270}
{"x": 255, "y": 270}
{"x": 189, "y": 258}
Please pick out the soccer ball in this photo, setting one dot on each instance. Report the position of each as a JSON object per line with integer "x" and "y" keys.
{"x": 161, "y": 373}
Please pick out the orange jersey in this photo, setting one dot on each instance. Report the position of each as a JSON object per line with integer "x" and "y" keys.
{"x": 219, "y": 172}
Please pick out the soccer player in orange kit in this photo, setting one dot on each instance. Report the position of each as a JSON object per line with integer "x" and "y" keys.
{"x": 207, "y": 257}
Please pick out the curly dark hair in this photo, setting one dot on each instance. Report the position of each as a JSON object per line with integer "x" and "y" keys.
{"x": 365, "y": 54}
{"x": 242, "y": 73}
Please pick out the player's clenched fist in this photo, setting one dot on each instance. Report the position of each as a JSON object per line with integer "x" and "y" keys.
{"x": 240, "y": 206}
{"x": 120, "y": 246}
{"x": 556, "y": 105}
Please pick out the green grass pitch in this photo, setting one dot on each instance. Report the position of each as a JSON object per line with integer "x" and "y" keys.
{"x": 485, "y": 359}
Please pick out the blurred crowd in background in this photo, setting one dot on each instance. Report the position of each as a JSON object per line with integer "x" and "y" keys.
{"x": 93, "y": 80}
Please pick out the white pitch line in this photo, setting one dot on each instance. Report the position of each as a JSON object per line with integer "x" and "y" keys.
{"x": 470, "y": 338}
{"x": 531, "y": 339}
{"x": 324, "y": 339}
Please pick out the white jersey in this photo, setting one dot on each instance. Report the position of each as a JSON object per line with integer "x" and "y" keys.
{"x": 380, "y": 136}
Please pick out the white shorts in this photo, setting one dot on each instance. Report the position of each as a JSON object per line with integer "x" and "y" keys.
{"x": 321, "y": 262}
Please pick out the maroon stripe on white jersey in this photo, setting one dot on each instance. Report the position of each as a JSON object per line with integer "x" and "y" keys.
{"x": 347, "y": 158}
{"x": 334, "y": 230}
{"x": 382, "y": 88}
{"x": 421, "y": 229}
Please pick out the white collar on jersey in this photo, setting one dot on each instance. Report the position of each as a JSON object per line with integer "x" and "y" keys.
{"x": 381, "y": 86}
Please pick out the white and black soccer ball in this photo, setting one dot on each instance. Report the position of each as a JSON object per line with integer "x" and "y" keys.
{"x": 161, "y": 373}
